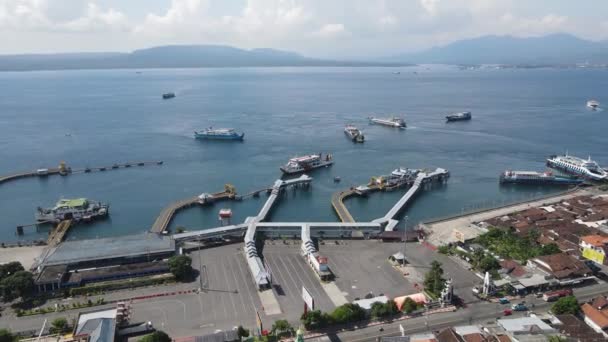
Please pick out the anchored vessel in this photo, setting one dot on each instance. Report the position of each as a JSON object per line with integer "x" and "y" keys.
{"x": 354, "y": 134}
{"x": 534, "y": 177}
{"x": 307, "y": 163}
{"x": 462, "y": 116}
{"x": 73, "y": 209}
{"x": 392, "y": 122}
{"x": 588, "y": 169}
{"x": 167, "y": 96}
{"x": 219, "y": 134}
{"x": 592, "y": 104}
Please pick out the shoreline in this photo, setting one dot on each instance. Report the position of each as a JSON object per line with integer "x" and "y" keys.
{"x": 443, "y": 231}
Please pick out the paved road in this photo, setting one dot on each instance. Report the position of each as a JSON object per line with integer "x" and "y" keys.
{"x": 483, "y": 313}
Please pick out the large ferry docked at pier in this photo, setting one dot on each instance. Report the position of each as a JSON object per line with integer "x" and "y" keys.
{"x": 354, "y": 134}
{"x": 534, "y": 177}
{"x": 588, "y": 169}
{"x": 79, "y": 209}
{"x": 391, "y": 122}
{"x": 307, "y": 163}
{"x": 219, "y": 134}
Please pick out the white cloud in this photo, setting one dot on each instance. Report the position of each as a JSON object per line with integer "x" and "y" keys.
{"x": 34, "y": 15}
{"x": 430, "y": 6}
{"x": 330, "y": 31}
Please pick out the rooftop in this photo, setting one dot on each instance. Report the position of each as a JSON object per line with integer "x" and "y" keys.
{"x": 77, "y": 202}
{"x": 575, "y": 328}
{"x": 595, "y": 240}
{"x": 525, "y": 325}
{"x": 115, "y": 247}
{"x": 562, "y": 265}
{"x": 599, "y": 317}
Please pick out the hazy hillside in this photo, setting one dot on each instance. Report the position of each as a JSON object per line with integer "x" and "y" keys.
{"x": 175, "y": 56}
{"x": 551, "y": 49}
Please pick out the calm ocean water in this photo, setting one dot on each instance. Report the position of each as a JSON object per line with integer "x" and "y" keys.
{"x": 91, "y": 118}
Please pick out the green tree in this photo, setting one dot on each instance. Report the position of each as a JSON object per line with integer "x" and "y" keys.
{"x": 59, "y": 325}
{"x": 19, "y": 284}
{"x": 443, "y": 249}
{"x": 242, "y": 332}
{"x": 282, "y": 328}
{"x": 10, "y": 268}
{"x": 566, "y": 305}
{"x": 381, "y": 310}
{"x": 180, "y": 230}
{"x": 556, "y": 338}
{"x": 549, "y": 249}
{"x": 347, "y": 313}
{"x": 409, "y": 305}
{"x": 180, "y": 266}
{"x": 433, "y": 280}
{"x": 315, "y": 319}
{"x": 488, "y": 263}
{"x": 157, "y": 336}
{"x": 6, "y": 336}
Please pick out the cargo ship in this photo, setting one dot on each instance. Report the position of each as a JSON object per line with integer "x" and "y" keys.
{"x": 587, "y": 169}
{"x": 534, "y": 177}
{"x": 307, "y": 163}
{"x": 167, "y": 96}
{"x": 462, "y": 116}
{"x": 219, "y": 134}
{"x": 354, "y": 134}
{"x": 391, "y": 122}
{"x": 79, "y": 209}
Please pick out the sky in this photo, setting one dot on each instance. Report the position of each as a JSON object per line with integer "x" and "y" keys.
{"x": 315, "y": 28}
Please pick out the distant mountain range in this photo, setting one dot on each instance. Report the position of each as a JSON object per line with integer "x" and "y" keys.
{"x": 555, "y": 49}
{"x": 174, "y": 56}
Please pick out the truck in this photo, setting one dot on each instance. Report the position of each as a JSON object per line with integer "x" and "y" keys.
{"x": 555, "y": 295}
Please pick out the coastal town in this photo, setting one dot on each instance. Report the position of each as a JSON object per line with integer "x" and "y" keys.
{"x": 536, "y": 268}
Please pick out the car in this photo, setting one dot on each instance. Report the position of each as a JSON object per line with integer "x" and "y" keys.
{"x": 503, "y": 300}
{"x": 507, "y": 312}
{"x": 519, "y": 307}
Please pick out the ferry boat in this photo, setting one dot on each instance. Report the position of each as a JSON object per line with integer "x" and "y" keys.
{"x": 534, "y": 177}
{"x": 219, "y": 134}
{"x": 592, "y": 104}
{"x": 462, "y": 116}
{"x": 354, "y": 134}
{"x": 391, "y": 122}
{"x": 167, "y": 96}
{"x": 79, "y": 209}
{"x": 307, "y": 163}
{"x": 588, "y": 169}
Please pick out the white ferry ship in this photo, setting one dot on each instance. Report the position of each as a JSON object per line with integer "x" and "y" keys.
{"x": 588, "y": 169}
{"x": 592, "y": 104}
{"x": 79, "y": 209}
{"x": 391, "y": 122}
{"x": 307, "y": 163}
{"x": 219, "y": 134}
{"x": 354, "y": 134}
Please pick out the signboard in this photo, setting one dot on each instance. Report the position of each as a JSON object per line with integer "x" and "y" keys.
{"x": 308, "y": 300}
{"x": 594, "y": 255}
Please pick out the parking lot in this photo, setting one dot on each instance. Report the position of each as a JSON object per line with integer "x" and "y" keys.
{"x": 290, "y": 272}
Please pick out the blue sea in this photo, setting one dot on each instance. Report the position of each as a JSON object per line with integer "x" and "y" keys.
{"x": 97, "y": 118}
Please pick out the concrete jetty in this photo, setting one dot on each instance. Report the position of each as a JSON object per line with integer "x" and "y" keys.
{"x": 57, "y": 235}
{"x": 337, "y": 202}
{"x": 422, "y": 178}
{"x": 65, "y": 170}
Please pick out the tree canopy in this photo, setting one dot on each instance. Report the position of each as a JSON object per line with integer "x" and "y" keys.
{"x": 566, "y": 305}
{"x": 6, "y": 336}
{"x": 380, "y": 310}
{"x": 19, "y": 284}
{"x": 282, "y": 327}
{"x": 508, "y": 244}
{"x": 315, "y": 319}
{"x": 409, "y": 305}
{"x": 157, "y": 336}
{"x": 347, "y": 313}
{"x": 433, "y": 280}
{"x": 59, "y": 325}
{"x": 180, "y": 266}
